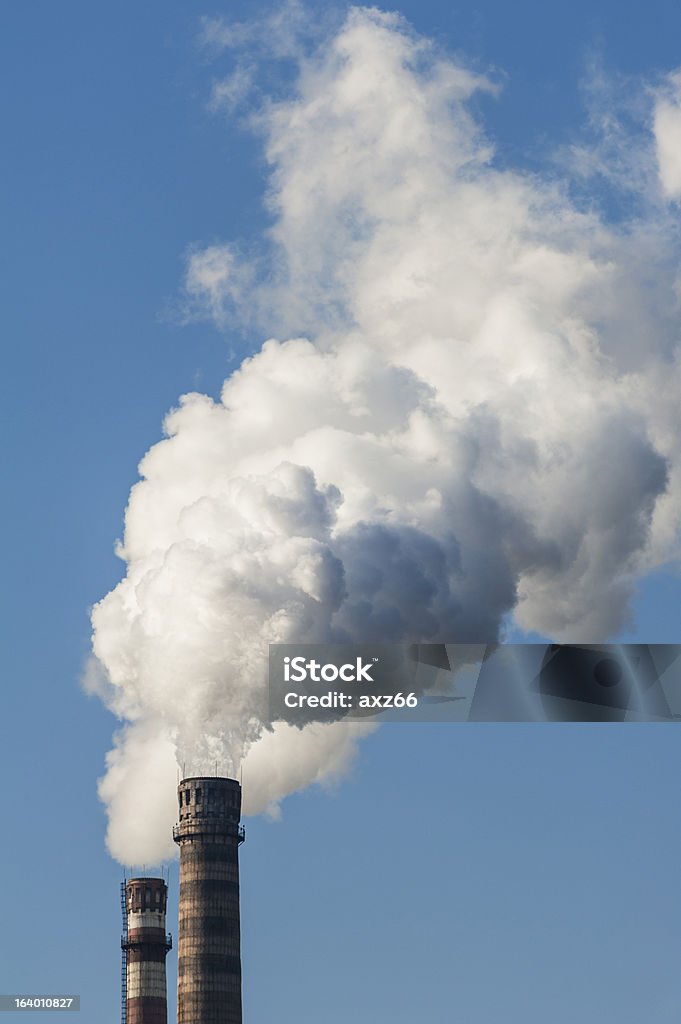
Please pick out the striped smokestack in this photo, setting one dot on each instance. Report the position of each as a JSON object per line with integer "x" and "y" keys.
{"x": 209, "y": 942}
{"x": 146, "y": 946}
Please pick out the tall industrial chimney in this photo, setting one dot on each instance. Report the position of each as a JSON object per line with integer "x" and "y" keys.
{"x": 145, "y": 946}
{"x": 209, "y": 940}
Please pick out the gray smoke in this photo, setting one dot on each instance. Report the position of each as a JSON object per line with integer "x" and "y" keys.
{"x": 482, "y": 417}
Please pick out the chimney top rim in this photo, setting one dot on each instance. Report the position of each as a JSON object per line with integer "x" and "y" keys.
{"x": 210, "y": 778}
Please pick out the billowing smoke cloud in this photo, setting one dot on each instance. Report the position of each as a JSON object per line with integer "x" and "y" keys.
{"x": 469, "y": 410}
{"x": 667, "y": 126}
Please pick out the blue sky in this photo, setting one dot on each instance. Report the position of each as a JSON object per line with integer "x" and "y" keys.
{"x": 480, "y": 873}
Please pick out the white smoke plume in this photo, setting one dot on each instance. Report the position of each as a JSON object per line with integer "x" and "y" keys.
{"x": 470, "y": 408}
{"x": 667, "y": 127}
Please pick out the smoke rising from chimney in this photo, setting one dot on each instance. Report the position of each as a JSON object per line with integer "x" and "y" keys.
{"x": 469, "y": 410}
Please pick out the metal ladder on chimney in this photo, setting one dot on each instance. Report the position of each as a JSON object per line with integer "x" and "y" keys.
{"x": 124, "y": 957}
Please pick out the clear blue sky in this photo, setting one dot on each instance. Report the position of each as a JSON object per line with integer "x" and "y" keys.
{"x": 470, "y": 873}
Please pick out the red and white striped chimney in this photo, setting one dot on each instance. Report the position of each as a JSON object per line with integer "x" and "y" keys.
{"x": 146, "y": 946}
